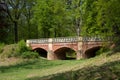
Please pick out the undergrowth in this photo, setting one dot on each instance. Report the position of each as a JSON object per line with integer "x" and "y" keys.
{"x": 19, "y": 50}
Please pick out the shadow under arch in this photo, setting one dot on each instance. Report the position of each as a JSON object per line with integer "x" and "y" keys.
{"x": 65, "y": 53}
{"x": 42, "y": 52}
{"x": 89, "y": 53}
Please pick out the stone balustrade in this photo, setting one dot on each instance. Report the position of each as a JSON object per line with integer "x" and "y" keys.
{"x": 63, "y": 39}
{"x": 92, "y": 39}
{"x": 37, "y": 41}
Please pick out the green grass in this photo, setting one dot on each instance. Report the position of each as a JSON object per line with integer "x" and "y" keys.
{"x": 108, "y": 71}
{"x": 101, "y": 67}
{"x": 26, "y": 69}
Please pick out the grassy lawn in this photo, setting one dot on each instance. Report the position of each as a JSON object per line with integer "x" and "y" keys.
{"x": 41, "y": 69}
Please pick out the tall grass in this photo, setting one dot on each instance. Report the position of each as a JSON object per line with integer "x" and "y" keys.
{"x": 1, "y": 47}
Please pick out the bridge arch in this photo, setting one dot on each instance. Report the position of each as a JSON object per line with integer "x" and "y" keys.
{"x": 91, "y": 52}
{"x": 65, "y": 53}
{"x": 42, "y": 52}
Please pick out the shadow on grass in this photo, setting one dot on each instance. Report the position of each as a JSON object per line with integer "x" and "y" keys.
{"x": 16, "y": 66}
{"x": 29, "y": 64}
{"x": 107, "y": 71}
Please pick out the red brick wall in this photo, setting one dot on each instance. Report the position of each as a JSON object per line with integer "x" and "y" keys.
{"x": 88, "y": 45}
{"x": 73, "y": 46}
{"x": 43, "y": 46}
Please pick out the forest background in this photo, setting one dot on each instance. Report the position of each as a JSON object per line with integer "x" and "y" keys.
{"x": 33, "y": 19}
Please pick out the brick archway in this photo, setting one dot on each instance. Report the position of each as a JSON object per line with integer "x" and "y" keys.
{"x": 73, "y": 46}
{"x": 91, "y": 52}
{"x": 64, "y": 53}
{"x": 42, "y": 52}
{"x": 42, "y": 46}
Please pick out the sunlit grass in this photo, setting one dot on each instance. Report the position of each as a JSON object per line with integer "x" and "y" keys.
{"x": 36, "y": 69}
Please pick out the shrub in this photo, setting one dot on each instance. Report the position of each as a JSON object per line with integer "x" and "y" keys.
{"x": 102, "y": 50}
{"x": 22, "y": 47}
{"x": 30, "y": 55}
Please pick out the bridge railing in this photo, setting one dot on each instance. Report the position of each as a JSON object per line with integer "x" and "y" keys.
{"x": 92, "y": 39}
{"x": 96, "y": 38}
{"x": 53, "y": 40}
{"x": 37, "y": 41}
{"x": 65, "y": 39}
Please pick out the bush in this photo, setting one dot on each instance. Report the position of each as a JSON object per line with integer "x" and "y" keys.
{"x": 30, "y": 55}
{"x": 22, "y": 47}
{"x": 102, "y": 50}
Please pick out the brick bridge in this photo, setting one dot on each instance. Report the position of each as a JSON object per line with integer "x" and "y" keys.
{"x": 56, "y": 48}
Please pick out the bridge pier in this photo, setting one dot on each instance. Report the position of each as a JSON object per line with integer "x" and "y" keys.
{"x": 79, "y": 55}
{"x": 50, "y": 55}
{"x": 79, "y": 51}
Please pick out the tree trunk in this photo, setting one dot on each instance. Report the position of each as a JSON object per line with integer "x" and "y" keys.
{"x": 29, "y": 31}
{"x": 16, "y": 31}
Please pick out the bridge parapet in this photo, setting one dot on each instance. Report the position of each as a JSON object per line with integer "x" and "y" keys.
{"x": 93, "y": 38}
{"x": 63, "y": 40}
{"x": 38, "y": 41}
{"x": 53, "y": 40}
{"x": 96, "y": 38}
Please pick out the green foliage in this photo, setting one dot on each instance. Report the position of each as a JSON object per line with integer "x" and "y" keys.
{"x": 51, "y": 18}
{"x": 22, "y": 47}
{"x": 102, "y": 50}
{"x": 17, "y": 50}
{"x": 101, "y": 17}
{"x": 56, "y": 18}
{"x": 75, "y": 12}
{"x": 30, "y": 55}
{"x": 89, "y": 18}
{"x": 3, "y": 25}
{"x": 25, "y": 52}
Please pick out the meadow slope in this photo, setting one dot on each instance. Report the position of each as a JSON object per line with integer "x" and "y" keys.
{"x": 102, "y": 67}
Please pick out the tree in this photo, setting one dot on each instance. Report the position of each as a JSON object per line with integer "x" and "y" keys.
{"x": 27, "y": 15}
{"x": 15, "y": 8}
{"x": 3, "y": 23}
{"x": 109, "y": 18}
{"x": 90, "y": 27}
{"x": 75, "y": 12}
{"x": 51, "y": 18}
{"x": 102, "y": 18}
